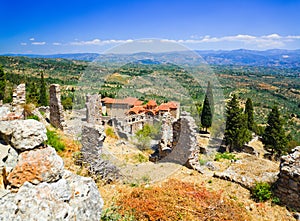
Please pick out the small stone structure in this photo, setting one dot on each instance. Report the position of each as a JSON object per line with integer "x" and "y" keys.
{"x": 19, "y": 95}
{"x": 33, "y": 182}
{"x": 93, "y": 109}
{"x": 184, "y": 148}
{"x": 287, "y": 187}
{"x": 56, "y": 109}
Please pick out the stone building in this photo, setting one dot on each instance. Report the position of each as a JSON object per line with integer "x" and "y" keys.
{"x": 93, "y": 109}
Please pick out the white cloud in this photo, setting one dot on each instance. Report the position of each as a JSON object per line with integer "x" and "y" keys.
{"x": 56, "y": 43}
{"x": 23, "y": 43}
{"x": 97, "y": 41}
{"x": 38, "y": 43}
{"x": 31, "y": 39}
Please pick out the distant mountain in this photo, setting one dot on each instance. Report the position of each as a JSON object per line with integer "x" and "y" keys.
{"x": 268, "y": 58}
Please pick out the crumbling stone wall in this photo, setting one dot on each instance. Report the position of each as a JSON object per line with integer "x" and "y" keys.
{"x": 56, "y": 109}
{"x": 184, "y": 146}
{"x": 92, "y": 139}
{"x": 19, "y": 95}
{"x": 93, "y": 109}
{"x": 287, "y": 187}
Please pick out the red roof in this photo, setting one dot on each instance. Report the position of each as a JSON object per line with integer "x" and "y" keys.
{"x": 152, "y": 103}
{"x": 128, "y": 100}
{"x": 136, "y": 109}
{"x": 163, "y": 107}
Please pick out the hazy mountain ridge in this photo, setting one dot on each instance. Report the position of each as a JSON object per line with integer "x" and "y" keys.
{"x": 269, "y": 58}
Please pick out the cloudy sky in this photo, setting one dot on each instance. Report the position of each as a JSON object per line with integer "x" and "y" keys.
{"x": 52, "y": 26}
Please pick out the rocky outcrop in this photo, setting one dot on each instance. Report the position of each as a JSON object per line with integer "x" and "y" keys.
{"x": 33, "y": 182}
{"x": 287, "y": 187}
{"x": 23, "y": 134}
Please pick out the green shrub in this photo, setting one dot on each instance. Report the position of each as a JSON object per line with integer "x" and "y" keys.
{"x": 112, "y": 214}
{"x": 261, "y": 192}
{"x": 140, "y": 158}
{"x": 55, "y": 141}
{"x": 34, "y": 117}
{"x": 109, "y": 131}
{"x": 225, "y": 155}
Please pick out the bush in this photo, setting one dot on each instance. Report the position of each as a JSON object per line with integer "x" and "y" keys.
{"x": 34, "y": 117}
{"x": 109, "y": 131}
{"x": 55, "y": 141}
{"x": 261, "y": 192}
{"x": 225, "y": 155}
{"x": 140, "y": 158}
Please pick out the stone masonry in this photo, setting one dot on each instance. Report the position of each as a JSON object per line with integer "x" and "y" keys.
{"x": 93, "y": 109}
{"x": 56, "y": 109}
{"x": 287, "y": 187}
{"x": 19, "y": 95}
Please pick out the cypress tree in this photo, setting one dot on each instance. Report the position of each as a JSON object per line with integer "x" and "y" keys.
{"x": 206, "y": 115}
{"x": 274, "y": 138}
{"x": 249, "y": 114}
{"x": 236, "y": 131}
{"x": 2, "y": 83}
{"x": 43, "y": 95}
{"x": 208, "y": 108}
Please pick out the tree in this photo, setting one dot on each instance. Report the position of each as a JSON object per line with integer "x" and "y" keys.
{"x": 274, "y": 138}
{"x": 208, "y": 108}
{"x": 249, "y": 114}
{"x": 206, "y": 115}
{"x": 2, "y": 83}
{"x": 43, "y": 95}
{"x": 236, "y": 131}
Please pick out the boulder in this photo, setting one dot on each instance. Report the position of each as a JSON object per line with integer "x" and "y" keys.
{"x": 23, "y": 134}
{"x": 36, "y": 166}
{"x": 71, "y": 198}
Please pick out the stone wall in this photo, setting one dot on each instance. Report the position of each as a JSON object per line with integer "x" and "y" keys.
{"x": 287, "y": 187}
{"x": 93, "y": 109}
{"x": 92, "y": 139}
{"x": 19, "y": 95}
{"x": 33, "y": 182}
{"x": 56, "y": 109}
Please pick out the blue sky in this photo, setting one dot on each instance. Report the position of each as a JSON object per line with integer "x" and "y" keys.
{"x": 52, "y": 26}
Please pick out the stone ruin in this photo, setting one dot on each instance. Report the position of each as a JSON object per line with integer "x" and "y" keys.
{"x": 92, "y": 139}
{"x": 287, "y": 187}
{"x": 93, "y": 109}
{"x": 56, "y": 108}
{"x": 33, "y": 182}
{"x": 179, "y": 142}
{"x": 19, "y": 95}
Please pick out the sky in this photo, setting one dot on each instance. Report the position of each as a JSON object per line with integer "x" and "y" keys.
{"x": 64, "y": 26}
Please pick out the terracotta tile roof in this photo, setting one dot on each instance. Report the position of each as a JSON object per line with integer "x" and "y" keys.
{"x": 136, "y": 109}
{"x": 129, "y": 100}
{"x": 163, "y": 107}
{"x": 152, "y": 103}
{"x": 172, "y": 105}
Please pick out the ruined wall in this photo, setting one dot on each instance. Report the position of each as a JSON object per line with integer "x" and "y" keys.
{"x": 19, "y": 95}
{"x": 287, "y": 187}
{"x": 93, "y": 109}
{"x": 56, "y": 109}
{"x": 92, "y": 140}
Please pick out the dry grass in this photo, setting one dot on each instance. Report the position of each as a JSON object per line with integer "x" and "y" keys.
{"x": 177, "y": 200}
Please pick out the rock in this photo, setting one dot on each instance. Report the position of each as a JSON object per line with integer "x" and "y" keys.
{"x": 4, "y": 111}
{"x": 23, "y": 134}
{"x": 36, "y": 166}
{"x": 3, "y": 151}
{"x": 71, "y": 198}
{"x": 11, "y": 159}
{"x": 56, "y": 108}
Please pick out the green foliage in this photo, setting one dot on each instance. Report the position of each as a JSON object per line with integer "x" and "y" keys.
{"x": 2, "y": 83}
{"x": 145, "y": 135}
{"x": 236, "y": 131}
{"x": 274, "y": 138}
{"x": 206, "y": 115}
{"x": 261, "y": 192}
{"x": 140, "y": 158}
{"x": 249, "y": 114}
{"x": 109, "y": 132}
{"x": 34, "y": 117}
{"x": 112, "y": 214}
{"x": 54, "y": 140}
{"x": 43, "y": 93}
{"x": 225, "y": 155}
{"x": 67, "y": 103}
